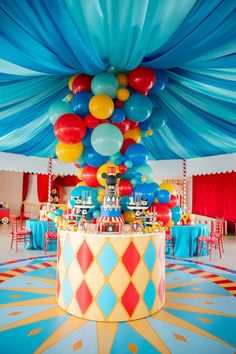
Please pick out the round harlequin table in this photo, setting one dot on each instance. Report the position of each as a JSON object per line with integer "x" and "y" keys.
{"x": 111, "y": 277}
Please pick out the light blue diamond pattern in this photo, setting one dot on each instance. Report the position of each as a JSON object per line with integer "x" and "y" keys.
{"x": 149, "y": 295}
{"x": 67, "y": 291}
{"x": 107, "y": 259}
{"x": 106, "y": 300}
{"x": 150, "y": 256}
{"x": 68, "y": 254}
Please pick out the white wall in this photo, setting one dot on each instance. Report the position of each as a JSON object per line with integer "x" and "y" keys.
{"x": 11, "y": 190}
{"x": 32, "y": 202}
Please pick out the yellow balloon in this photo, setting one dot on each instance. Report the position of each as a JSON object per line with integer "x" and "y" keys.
{"x": 69, "y": 152}
{"x": 64, "y": 207}
{"x": 149, "y": 132}
{"x": 134, "y": 134}
{"x": 101, "y": 192}
{"x": 144, "y": 178}
{"x": 101, "y": 106}
{"x": 81, "y": 184}
{"x": 169, "y": 187}
{"x": 103, "y": 169}
{"x": 170, "y": 223}
{"x": 69, "y": 98}
{"x": 57, "y": 219}
{"x": 79, "y": 173}
{"x": 100, "y": 198}
{"x": 71, "y": 81}
{"x": 122, "y": 79}
{"x": 129, "y": 216}
{"x": 123, "y": 94}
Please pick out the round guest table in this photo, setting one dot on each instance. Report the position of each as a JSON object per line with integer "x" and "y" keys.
{"x": 111, "y": 277}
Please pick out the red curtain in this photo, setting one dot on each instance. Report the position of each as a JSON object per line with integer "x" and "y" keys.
{"x": 42, "y": 187}
{"x": 214, "y": 195}
{"x": 25, "y": 188}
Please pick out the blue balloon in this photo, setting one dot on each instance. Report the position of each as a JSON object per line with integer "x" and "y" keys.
{"x": 137, "y": 154}
{"x": 118, "y": 115}
{"x": 87, "y": 139}
{"x": 145, "y": 125}
{"x": 156, "y": 186}
{"x": 129, "y": 174}
{"x": 124, "y": 203}
{"x": 59, "y": 212}
{"x": 96, "y": 213}
{"x": 146, "y": 171}
{"x": 93, "y": 158}
{"x": 145, "y": 191}
{"x": 105, "y": 83}
{"x": 163, "y": 196}
{"x": 176, "y": 214}
{"x": 161, "y": 81}
{"x": 80, "y": 103}
{"x": 57, "y": 109}
{"x": 138, "y": 107}
{"x": 158, "y": 118}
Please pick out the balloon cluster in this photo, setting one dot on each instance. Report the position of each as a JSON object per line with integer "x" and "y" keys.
{"x": 101, "y": 125}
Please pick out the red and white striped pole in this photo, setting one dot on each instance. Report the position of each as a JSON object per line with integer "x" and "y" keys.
{"x": 184, "y": 187}
{"x": 49, "y": 179}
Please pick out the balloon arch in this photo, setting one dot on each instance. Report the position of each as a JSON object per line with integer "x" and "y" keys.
{"x": 101, "y": 125}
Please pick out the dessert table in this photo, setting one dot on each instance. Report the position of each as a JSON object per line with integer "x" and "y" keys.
{"x": 111, "y": 277}
{"x": 37, "y": 228}
{"x": 185, "y": 239}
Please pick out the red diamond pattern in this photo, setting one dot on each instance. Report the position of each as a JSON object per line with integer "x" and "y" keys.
{"x": 131, "y": 258}
{"x": 130, "y": 299}
{"x": 161, "y": 288}
{"x": 58, "y": 249}
{"x": 84, "y": 257}
{"x": 83, "y": 297}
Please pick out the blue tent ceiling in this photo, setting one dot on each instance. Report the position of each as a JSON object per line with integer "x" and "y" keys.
{"x": 44, "y": 42}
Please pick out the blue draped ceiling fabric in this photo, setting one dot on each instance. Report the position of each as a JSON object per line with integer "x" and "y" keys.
{"x": 43, "y": 43}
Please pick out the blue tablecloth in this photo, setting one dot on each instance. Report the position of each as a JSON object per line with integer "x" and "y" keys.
{"x": 185, "y": 239}
{"x": 38, "y": 228}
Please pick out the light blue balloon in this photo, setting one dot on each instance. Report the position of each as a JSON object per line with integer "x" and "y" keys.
{"x": 106, "y": 139}
{"x": 96, "y": 213}
{"x": 80, "y": 103}
{"x": 57, "y": 109}
{"x": 138, "y": 107}
{"x": 176, "y": 213}
{"x": 105, "y": 83}
{"x": 158, "y": 118}
{"x": 92, "y": 158}
{"x": 124, "y": 203}
{"x": 59, "y": 212}
{"x": 146, "y": 171}
{"x": 128, "y": 163}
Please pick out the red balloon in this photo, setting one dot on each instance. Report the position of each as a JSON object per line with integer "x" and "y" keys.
{"x": 91, "y": 121}
{"x": 70, "y": 128}
{"x": 142, "y": 79}
{"x": 89, "y": 176}
{"x": 125, "y": 188}
{"x": 123, "y": 168}
{"x": 76, "y": 165}
{"x": 173, "y": 201}
{"x": 133, "y": 124}
{"x": 126, "y": 144}
{"x": 163, "y": 212}
{"x": 119, "y": 103}
{"x": 82, "y": 83}
{"x": 123, "y": 126}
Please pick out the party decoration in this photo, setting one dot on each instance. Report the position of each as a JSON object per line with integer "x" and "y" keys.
{"x": 69, "y": 153}
{"x": 158, "y": 118}
{"x": 162, "y": 213}
{"x": 104, "y": 169}
{"x": 125, "y": 187}
{"x": 161, "y": 81}
{"x": 129, "y": 216}
{"x": 118, "y": 115}
{"x": 123, "y": 94}
{"x": 146, "y": 192}
{"x": 89, "y": 176}
{"x": 172, "y": 202}
{"x": 80, "y": 103}
{"x": 122, "y": 78}
{"x": 137, "y": 154}
{"x": 146, "y": 171}
{"x": 81, "y": 83}
{"x": 57, "y": 109}
{"x": 91, "y": 121}
{"x": 134, "y": 134}
{"x": 69, "y": 128}
{"x": 138, "y": 107}
{"x": 105, "y": 83}
{"x": 169, "y": 187}
{"x": 101, "y": 106}
{"x": 123, "y": 126}
{"x": 106, "y": 139}
{"x": 70, "y": 82}
{"x": 163, "y": 196}
{"x": 176, "y": 213}
{"x": 142, "y": 79}
{"x": 93, "y": 158}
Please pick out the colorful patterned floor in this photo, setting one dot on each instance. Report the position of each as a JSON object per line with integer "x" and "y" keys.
{"x": 199, "y": 314}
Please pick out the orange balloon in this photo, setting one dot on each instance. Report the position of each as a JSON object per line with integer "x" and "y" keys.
{"x": 101, "y": 106}
{"x": 70, "y": 82}
{"x": 123, "y": 94}
{"x": 134, "y": 134}
{"x": 122, "y": 79}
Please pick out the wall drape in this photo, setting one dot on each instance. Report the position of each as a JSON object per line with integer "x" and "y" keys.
{"x": 214, "y": 196}
{"x": 25, "y": 187}
{"x": 42, "y": 187}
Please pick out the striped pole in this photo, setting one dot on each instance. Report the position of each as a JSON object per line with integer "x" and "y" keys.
{"x": 184, "y": 187}
{"x": 49, "y": 179}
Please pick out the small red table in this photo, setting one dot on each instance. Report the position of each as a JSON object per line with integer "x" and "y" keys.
{"x": 4, "y": 215}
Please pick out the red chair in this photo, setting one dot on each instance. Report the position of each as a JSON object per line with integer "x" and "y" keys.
{"x": 24, "y": 215}
{"x": 18, "y": 234}
{"x": 217, "y": 228}
{"x": 208, "y": 243}
{"x": 50, "y": 236}
{"x": 170, "y": 243}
